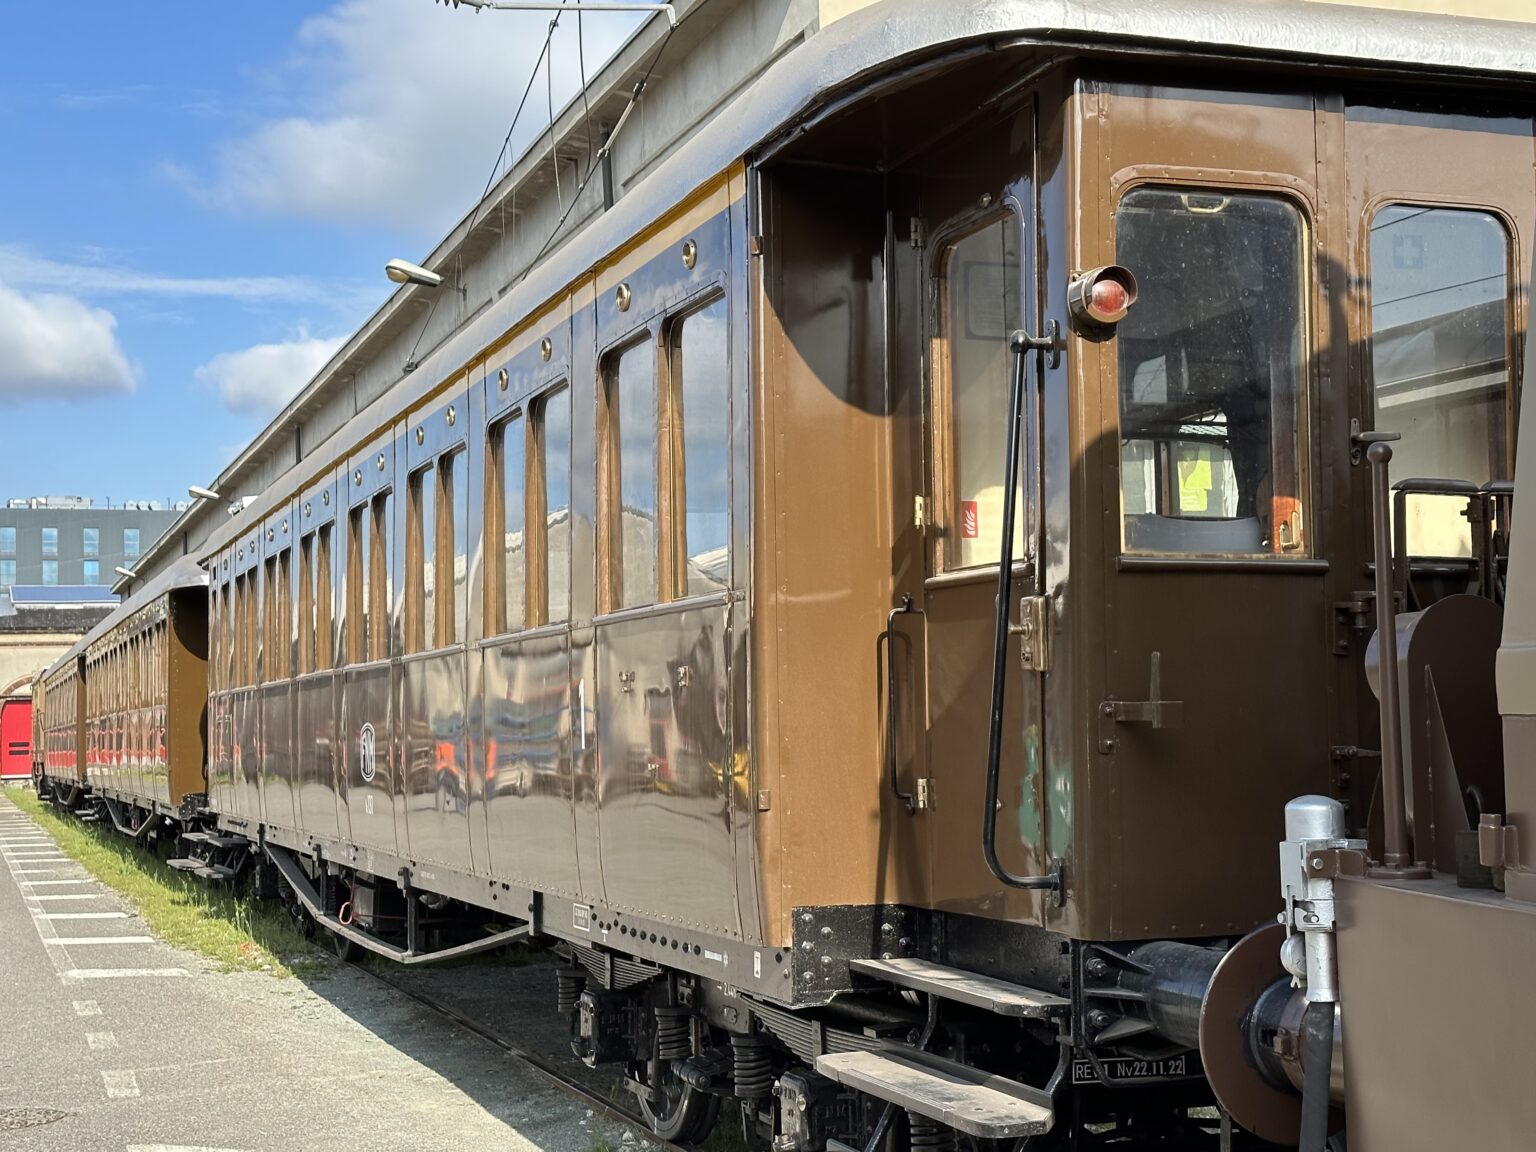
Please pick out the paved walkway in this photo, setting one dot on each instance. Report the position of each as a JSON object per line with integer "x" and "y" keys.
{"x": 112, "y": 1041}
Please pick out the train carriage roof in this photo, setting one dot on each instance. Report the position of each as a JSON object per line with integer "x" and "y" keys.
{"x": 184, "y": 573}
{"x": 866, "y": 48}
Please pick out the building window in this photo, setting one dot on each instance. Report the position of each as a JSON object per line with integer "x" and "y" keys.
{"x": 50, "y": 572}
{"x": 7, "y": 573}
{"x": 7, "y": 541}
{"x": 1213, "y": 373}
{"x": 50, "y": 541}
{"x": 130, "y": 542}
{"x": 91, "y": 572}
{"x": 92, "y": 544}
{"x": 1440, "y": 357}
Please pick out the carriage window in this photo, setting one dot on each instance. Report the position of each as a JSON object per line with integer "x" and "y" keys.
{"x": 455, "y": 484}
{"x": 631, "y": 489}
{"x": 553, "y": 431}
{"x": 510, "y": 450}
{"x": 701, "y": 425}
{"x": 980, "y": 308}
{"x": 1212, "y": 372}
{"x": 358, "y": 601}
{"x": 324, "y": 626}
{"x": 380, "y": 605}
{"x": 421, "y": 579}
{"x": 1440, "y": 357}
{"x": 307, "y": 604}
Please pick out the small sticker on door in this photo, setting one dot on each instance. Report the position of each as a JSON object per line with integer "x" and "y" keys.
{"x": 970, "y": 520}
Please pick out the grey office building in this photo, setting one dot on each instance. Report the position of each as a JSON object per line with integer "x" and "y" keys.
{"x": 63, "y": 541}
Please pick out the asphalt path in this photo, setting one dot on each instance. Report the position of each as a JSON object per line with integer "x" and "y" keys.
{"x": 112, "y": 1041}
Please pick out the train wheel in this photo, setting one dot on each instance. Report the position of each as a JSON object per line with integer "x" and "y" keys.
{"x": 679, "y": 1113}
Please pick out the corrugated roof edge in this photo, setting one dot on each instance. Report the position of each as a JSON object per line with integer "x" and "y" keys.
{"x": 837, "y": 58}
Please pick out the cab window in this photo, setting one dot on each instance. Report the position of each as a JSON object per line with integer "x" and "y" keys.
{"x": 1212, "y": 374}
{"x": 1440, "y": 357}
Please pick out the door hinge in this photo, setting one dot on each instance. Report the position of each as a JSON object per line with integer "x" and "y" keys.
{"x": 920, "y": 513}
{"x": 918, "y": 233}
{"x": 1034, "y": 633}
{"x": 924, "y": 792}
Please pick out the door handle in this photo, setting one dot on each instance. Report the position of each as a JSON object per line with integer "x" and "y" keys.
{"x": 920, "y": 799}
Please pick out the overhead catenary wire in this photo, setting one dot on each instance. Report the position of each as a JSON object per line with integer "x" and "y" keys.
{"x": 490, "y": 181}
{"x": 602, "y": 153}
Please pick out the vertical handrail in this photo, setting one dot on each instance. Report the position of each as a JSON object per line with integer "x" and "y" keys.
{"x": 1396, "y": 859}
{"x": 891, "y": 758}
{"x": 1021, "y": 345}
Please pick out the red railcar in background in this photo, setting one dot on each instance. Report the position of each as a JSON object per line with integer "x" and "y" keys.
{"x": 16, "y": 738}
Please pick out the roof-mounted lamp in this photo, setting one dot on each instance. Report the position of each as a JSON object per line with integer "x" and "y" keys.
{"x": 404, "y": 272}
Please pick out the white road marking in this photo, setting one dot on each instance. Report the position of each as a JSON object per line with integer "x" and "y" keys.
{"x": 71, "y": 941}
{"x": 101, "y": 1041}
{"x": 121, "y": 1083}
{"x": 114, "y": 973}
{"x": 74, "y": 896}
{"x": 42, "y": 871}
{"x": 176, "y": 1148}
{"x": 40, "y": 883}
{"x": 80, "y": 915}
{"x": 87, "y": 1008}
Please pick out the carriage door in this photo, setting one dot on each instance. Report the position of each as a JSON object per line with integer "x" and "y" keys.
{"x": 980, "y": 289}
{"x": 1199, "y": 417}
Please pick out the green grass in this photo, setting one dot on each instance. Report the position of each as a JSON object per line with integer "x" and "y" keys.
{"x": 239, "y": 934}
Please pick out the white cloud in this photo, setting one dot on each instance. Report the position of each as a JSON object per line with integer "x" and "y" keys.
{"x": 56, "y": 346}
{"x": 264, "y": 377}
{"x": 407, "y": 103}
{"x": 20, "y": 267}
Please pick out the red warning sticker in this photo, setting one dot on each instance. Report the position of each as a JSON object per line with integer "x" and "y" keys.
{"x": 970, "y": 520}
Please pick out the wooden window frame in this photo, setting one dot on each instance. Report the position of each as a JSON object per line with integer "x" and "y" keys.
{"x": 422, "y": 485}
{"x": 672, "y": 458}
{"x": 495, "y": 599}
{"x": 536, "y": 541}
{"x": 610, "y": 468}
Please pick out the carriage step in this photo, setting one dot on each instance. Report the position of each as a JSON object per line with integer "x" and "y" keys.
{"x": 88, "y": 817}
{"x": 967, "y": 1099}
{"x": 187, "y": 864}
{"x": 1000, "y": 996}
{"x": 215, "y": 872}
{"x": 220, "y": 840}
{"x": 197, "y": 837}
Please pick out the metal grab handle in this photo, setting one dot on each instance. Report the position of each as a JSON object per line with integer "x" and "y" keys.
{"x": 1022, "y": 345}
{"x": 905, "y": 608}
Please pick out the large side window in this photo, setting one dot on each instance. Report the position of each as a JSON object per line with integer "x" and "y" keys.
{"x": 422, "y": 556}
{"x": 359, "y": 601}
{"x": 454, "y": 482}
{"x": 508, "y": 547}
{"x": 631, "y": 451}
{"x": 306, "y": 606}
{"x": 1440, "y": 357}
{"x": 324, "y": 625}
{"x": 700, "y": 417}
{"x": 979, "y": 307}
{"x": 381, "y": 593}
{"x": 552, "y": 429}
{"x": 1212, "y": 373}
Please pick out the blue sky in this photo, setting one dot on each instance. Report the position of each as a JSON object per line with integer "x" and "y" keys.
{"x": 198, "y": 200}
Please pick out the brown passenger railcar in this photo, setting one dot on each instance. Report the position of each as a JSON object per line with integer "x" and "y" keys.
{"x": 872, "y": 592}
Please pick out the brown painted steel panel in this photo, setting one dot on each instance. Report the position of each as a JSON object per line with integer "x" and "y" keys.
{"x": 664, "y": 781}
{"x": 434, "y": 755}
{"x": 530, "y": 780}
{"x": 1214, "y": 786}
